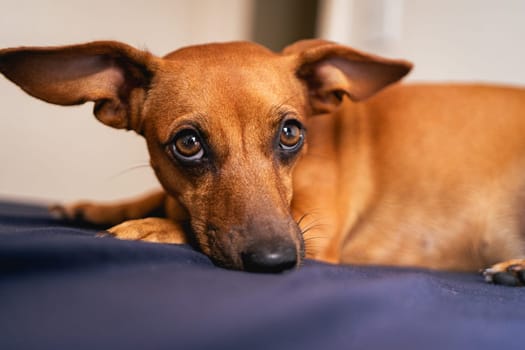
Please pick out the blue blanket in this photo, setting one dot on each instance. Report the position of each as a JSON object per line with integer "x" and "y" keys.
{"x": 63, "y": 288}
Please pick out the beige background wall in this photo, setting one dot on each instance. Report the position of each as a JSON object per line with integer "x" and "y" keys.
{"x": 55, "y": 153}
{"x": 477, "y": 40}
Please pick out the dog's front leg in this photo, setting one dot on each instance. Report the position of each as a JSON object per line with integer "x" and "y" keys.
{"x": 109, "y": 214}
{"x": 130, "y": 218}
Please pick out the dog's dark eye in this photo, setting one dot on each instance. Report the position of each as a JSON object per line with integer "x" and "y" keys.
{"x": 187, "y": 145}
{"x": 292, "y": 135}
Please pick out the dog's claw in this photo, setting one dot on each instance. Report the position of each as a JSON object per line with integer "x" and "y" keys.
{"x": 508, "y": 273}
{"x": 68, "y": 212}
{"x": 58, "y": 212}
{"x": 103, "y": 234}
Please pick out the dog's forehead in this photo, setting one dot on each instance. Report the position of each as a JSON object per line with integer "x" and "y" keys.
{"x": 229, "y": 66}
{"x": 231, "y": 50}
{"x": 230, "y": 76}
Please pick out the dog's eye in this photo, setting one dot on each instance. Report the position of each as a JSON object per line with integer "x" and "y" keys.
{"x": 292, "y": 135}
{"x": 187, "y": 145}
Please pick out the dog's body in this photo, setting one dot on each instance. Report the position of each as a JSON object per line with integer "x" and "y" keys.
{"x": 432, "y": 177}
{"x": 265, "y": 157}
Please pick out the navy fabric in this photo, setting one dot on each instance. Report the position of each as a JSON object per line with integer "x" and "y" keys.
{"x": 63, "y": 288}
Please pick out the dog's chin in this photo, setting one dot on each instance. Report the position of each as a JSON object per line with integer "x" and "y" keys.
{"x": 230, "y": 265}
{"x": 217, "y": 256}
{"x": 226, "y": 264}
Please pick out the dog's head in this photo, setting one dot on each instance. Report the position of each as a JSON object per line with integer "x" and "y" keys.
{"x": 224, "y": 123}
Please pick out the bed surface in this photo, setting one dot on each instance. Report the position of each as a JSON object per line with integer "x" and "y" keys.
{"x": 63, "y": 288}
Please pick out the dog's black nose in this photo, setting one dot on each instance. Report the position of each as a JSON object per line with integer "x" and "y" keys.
{"x": 269, "y": 258}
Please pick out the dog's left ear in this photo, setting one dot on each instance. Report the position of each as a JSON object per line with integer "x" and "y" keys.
{"x": 114, "y": 75}
{"x": 332, "y": 71}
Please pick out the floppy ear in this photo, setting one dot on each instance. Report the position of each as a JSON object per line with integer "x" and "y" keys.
{"x": 332, "y": 71}
{"x": 113, "y": 75}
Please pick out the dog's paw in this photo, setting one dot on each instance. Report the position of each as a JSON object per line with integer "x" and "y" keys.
{"x": 158, "y": 230}
{"x": 508, "y": 273}
{"x": 87, "y": 212}
{"x": 73, "y": 212}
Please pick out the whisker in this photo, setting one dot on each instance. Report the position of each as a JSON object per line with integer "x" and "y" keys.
{"x": 302, "y": 218}
{"x": 133, "y": 167}
{"x": 314, "y": 238}
{"x": 313, "y": 225}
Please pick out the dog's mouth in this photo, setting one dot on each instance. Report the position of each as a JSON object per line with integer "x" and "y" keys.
{"x": 237, "y": 250}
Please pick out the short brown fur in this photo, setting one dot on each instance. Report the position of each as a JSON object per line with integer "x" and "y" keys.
{"x": 413, "y": 175}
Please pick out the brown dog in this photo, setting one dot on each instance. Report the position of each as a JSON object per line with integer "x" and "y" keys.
{"x": 267, "y": 157}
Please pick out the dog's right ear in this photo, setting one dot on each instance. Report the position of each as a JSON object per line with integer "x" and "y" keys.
{"x": 332, "y": 71}
{"x": 113, "y": 75}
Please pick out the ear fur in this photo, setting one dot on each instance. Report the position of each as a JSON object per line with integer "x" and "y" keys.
{"x": 113, "y": 75}
{"x": 332, "y": 71}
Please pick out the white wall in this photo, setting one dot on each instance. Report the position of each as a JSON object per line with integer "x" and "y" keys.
{"x": 56, "y": 153}
{"x": 476, "y": 40}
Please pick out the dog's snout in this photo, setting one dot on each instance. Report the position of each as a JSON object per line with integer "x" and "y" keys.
{"x": 269, "y": 258}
